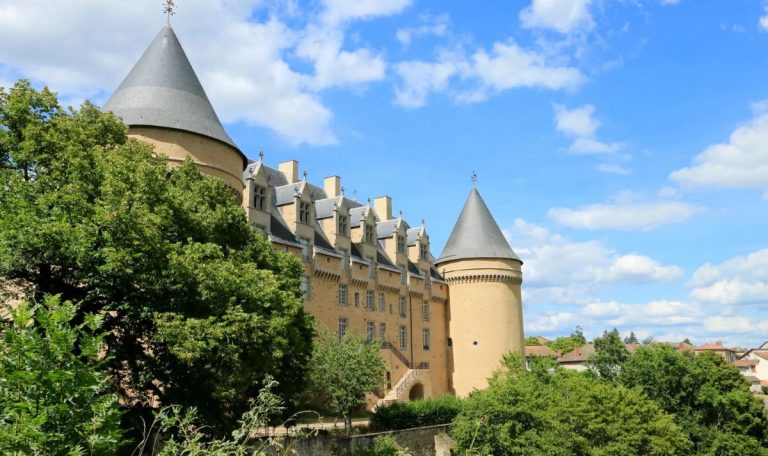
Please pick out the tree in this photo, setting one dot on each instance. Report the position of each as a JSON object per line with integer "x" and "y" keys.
{"x": 55, "y": 396}
{"x": 342, "y": 370}
{"x": 563, "y": 413}
{"x": 532, "y": 340}
{"x": 709, "y": 398}
{"x": 631, "y": 339}
{"x": 568, "y": 343}
{"x": 610, "y": 354}
{"x": 199, "y": 307}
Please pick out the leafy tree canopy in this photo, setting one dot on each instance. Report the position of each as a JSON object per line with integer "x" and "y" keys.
{"x": 610, "y": 354}
{"x": 54, "y": 395}
{"x": 199, "y": 307}
{"x": 566, "y": 344}
{"x": 342, "y": 370}
{"x": 563, "y": 413}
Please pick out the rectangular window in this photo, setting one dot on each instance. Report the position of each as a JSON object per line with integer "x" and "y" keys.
{"x": 425, "y": 311}
{"x": 383, "y": 332}
{"x": 342, "y": 295}
{"x": 304, "y": 248}
{"x": 423, "y": 251}
{"x": 425, "y": 339}
{"x": 403, "y": 275}
{"x": 369, "y": 305}
{"x": 400, "y": 244}
{"x": 304, "y": 212}
{"x": 382, "y": 303}
{"x": 344, "y": 259}
{"x": 370, "y": 331}
{"x": 342, "y": 328}
{"x": 403, "y": 337}
{"x": 357, "y": 299}
{"x": 368, "y": 234}
{"x": 343, "y": 224}
{"x": 402, "y": 306}
{"x": 259, "y": 197}
{"x": 304, "y": 288}
{"x": 371, "y": 267}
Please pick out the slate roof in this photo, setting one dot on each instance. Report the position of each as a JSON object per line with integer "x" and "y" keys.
{"x": 413, "y": 234}
{"x": 476, "y": 234}
{"x": 162, "y": 90}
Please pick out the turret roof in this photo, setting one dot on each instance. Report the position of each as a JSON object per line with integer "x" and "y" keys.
{"x": 476, "y": 234}
{"x": 162, "y": 90}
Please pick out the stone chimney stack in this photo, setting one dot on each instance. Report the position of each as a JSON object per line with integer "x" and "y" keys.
{"x": 332, "y": 186}
{"x": 291, "y": 170}
{"x": 383, "y": 207}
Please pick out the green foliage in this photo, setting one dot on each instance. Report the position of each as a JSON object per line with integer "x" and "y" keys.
{"x": 178, "y": 431}
{"x": 568, "y": 343}
{"x": 631, "y": 339}
{"x": 343, "y": 370}
{"x": 384, "y": 446}
{"x": 423, "y": 412}
{"x": 610, "y": 354}
{"x": 195, "y": 300}
{"x": 533, "y": 340}
{"x": 564, "y": 413}
{"x": 710, "y": 399}
{"x": 55, "y": 397}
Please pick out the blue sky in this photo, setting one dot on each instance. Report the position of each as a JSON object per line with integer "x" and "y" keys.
{"x": 621, "y": 145}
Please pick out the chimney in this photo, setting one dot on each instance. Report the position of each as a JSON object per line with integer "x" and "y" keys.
{"x": 332, "y": 186}
{"x": 290, "y": 169}
{"x": 383, "y": 207}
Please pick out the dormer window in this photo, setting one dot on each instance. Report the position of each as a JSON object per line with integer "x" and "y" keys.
{"x": 400, "y": 244}
{"x": 259, "y": 197}
{"x": 304, "y": 212}
{"x": 368, "y": 234}
{"x": 343, "y": 224}
{"x": 423, "y": 251}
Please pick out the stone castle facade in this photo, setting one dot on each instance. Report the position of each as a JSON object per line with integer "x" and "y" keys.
{"x": 445, "y": 323}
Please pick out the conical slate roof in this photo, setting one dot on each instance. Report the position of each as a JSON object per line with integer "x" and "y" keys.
{"x": 476, "y": 234}
{"x": 162, "y": 90}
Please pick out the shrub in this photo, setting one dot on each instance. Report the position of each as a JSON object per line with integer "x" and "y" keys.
{"x": 384, "y": 446}
{"x": 424, "y": 412}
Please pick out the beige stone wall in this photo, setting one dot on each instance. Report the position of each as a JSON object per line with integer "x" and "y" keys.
{"x": 213, "y": 157}
{"x": 485, "y": 320}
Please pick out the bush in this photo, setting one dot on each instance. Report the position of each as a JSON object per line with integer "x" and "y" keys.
{"x": 424, "y": 412}
{"x": 384, "y": 446}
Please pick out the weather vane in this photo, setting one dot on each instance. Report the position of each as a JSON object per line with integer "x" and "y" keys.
{"x": 169, "y": 9}
{"x": 473, "y": 177}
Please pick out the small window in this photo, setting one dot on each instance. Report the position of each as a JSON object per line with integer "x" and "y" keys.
{"x": 259, "y": 197}
{"x": 304, "y": 212}
{"x": 342, "y": 295}
{"x": 369, "y": 234}
{"x": 383, "y": 332}
{"x": 370, "y": 331}
{"x": 425, "y": 311}
{"x": 400, "y": 244}
{"x": 369, "y": 305}
{"x": 426, "y": 339}
{"x": 343, "y": 224}
{"x": 403, "y": 337}
{"x": 342, "y": 328}
{"x": 382, "y": 303}
{"x": 423, "y": 251}
{"x": 304, "y": 288}
{"x": 304, "y": 248}
{"x": 403, "y": 275}
{"x": 402, "y": 306}
{"x": 344, "y": 259}
{"x": 357, "y": 299}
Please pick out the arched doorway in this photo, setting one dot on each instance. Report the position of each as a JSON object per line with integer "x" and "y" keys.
{"x": 417, "y": 392}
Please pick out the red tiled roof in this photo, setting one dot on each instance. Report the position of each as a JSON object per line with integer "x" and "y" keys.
{"x": 745, "y": 362}
{"x": 632, "y": 347}
{"x": 539, "y": 350}
{"x": 761, "y": 353}
{"x": 579, "y": 354}
{"x": 716, "y": 347}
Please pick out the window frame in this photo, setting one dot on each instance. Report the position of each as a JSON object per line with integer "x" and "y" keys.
{"x": 343, "y": 294}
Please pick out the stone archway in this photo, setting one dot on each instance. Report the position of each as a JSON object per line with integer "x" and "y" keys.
{"x": 417, "y": 392}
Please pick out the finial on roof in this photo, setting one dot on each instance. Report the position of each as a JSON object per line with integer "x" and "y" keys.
{"x": 305, "y": 175}
{"x": 474, "y": 178}
{"x": 354, "y": 195}
{"x": 369, "y": 200}
{"x": 169, "y": 9}
{"x": 423, "y": 222}
{"x": 261, "y": 155}
{"x": 401, "y": 213}
{"x": 342, "y": 190}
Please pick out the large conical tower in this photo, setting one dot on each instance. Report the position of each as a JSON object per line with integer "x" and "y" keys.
{"x": 484, "y": 278}
{"x": 162, "y": 102}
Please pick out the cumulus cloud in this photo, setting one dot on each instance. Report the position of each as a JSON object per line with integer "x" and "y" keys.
{"x": 739, "y": 280}
{"x": 614, "y": 169}
{"x": 624, "y": 216}
{"x": 741, "y": 162}
{"x": 563, "y": 16}
{"x": 551, "y": 322}
{"x": 435, "y": 26}
{"x": 339, "y": 11}
{"x": 580, "y": 124}
{"x": 504, "y": 67}
{"x": 729, "y": 325}
{"x": 763, "y": 21}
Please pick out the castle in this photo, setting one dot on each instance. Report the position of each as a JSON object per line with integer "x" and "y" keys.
{"x": 444, "y": 324}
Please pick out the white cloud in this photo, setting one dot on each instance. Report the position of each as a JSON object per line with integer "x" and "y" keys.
{"x": 437, "y": 26}
{"x": 624, "y": 215}
{"x": 738, "y": 280}
{"x": 563, "y": 16}
{"x": 633, "y": 268}
{"x": 338, "y": 11}
{"x": 763, "y": 21}
{"x": 506, "y": 66}
{"x": 741, "y": 162}
{"x": 580, "y": 124}
{"x": 731, "y": 325}
{"x": 732, "y": 292}
{"x": 602, "y": 309}
{"x": 657, "y": 313}
{"x": 669, "y": 2}
{"x": 614, "y": 169}
{"x": 551, "y": 322}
